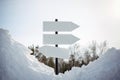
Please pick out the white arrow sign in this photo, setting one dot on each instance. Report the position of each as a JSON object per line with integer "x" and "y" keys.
{"x": 59, "y": 39}
{"x": 59, "y": 26}
{"x": 55, "y": 52}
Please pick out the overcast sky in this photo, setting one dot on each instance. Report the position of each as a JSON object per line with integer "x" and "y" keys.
{"x": 98, "y": 19}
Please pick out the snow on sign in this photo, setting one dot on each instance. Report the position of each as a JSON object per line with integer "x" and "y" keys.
{"x": 55, "y": 39}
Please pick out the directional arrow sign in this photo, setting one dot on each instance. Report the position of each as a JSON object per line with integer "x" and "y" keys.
{"x": 59, "y": 26}
{"x": 59, "y": 39}
{"x": 55, "y": 52}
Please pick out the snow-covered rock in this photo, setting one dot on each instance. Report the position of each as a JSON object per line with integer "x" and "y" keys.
{"x": 17, "y": 64}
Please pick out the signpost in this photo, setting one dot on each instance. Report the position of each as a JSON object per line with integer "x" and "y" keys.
{"x": 57, "y": 39}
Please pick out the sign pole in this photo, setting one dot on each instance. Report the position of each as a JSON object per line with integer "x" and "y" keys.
{"x": 56, "y": 66}
{"x": 56, "y": 59}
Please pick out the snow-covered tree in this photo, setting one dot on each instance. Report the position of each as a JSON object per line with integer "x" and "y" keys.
{"x": 32, "y": 49}
{"x": 85, "y": 55}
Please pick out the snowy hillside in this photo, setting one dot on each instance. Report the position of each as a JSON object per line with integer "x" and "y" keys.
{"x": 17, "y": 64}
{"x": 107, "y": 67}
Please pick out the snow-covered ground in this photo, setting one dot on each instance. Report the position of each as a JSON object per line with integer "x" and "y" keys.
{"x": 107, "y": 67}
{"x": 17, "y": 64}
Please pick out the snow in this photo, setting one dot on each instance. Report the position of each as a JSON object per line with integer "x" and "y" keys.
{"x": 17, "y": 64}
{"x": 107, "y": 67}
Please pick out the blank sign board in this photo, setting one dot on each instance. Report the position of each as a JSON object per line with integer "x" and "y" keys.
{"x": 63, "y": 39}
{"x": 59, "y": 39}
{"x": 50, "y": 51}
{"x": 59, "y": 26}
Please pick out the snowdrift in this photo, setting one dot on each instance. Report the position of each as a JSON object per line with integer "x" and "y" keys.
{"x": 17, "y": 64}
{"x": 107, "y": 67}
